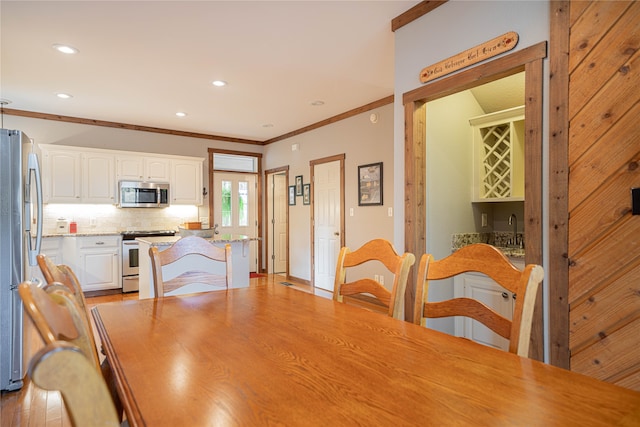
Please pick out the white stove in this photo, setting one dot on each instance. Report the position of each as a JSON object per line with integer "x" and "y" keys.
{"x": 130, "y": 260}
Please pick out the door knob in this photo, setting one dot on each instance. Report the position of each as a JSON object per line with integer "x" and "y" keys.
{"x": 336, "y": 233}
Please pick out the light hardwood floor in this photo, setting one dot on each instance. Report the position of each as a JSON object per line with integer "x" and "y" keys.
{"x": 35, "y": 407}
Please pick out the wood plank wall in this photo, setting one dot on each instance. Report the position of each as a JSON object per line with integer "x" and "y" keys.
{"x": 603, "y": 158}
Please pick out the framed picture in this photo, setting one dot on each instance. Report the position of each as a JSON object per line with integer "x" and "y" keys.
{"x": 370, "y": 184}
{"x": 306, "y": 194}
{"x": 292, "y": 195}
{"x": 299, "y": 185}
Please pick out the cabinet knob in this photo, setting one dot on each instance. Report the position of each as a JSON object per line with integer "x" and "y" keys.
{"x": 505, "y": 295}
{"x": 99, "y": 243}
{"x": 514, "y": 296}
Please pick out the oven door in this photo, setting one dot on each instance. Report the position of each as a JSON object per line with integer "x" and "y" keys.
{"x": 130, "y": 261}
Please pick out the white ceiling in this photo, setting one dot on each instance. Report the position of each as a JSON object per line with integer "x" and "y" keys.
{"x": 140, "y": 62}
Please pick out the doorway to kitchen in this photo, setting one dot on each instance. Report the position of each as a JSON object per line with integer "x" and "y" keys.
{"x": 277, "y": 221}
{"x": 235, "y": 198}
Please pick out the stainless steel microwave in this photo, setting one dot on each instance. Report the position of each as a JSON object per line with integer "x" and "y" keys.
{"x": 136, "y": 194}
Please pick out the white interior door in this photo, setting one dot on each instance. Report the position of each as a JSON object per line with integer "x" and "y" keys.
{"x": 235, "y": 208}
{"x": 280, "y": 223}
{"x": 327, "y": 196}
{"x": 277, "y": 223}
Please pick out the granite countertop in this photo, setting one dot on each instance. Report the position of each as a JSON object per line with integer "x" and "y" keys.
{"x": 82, "y": 234}
{"x": 219, "y": 238}
{"x": 497, "y": 239}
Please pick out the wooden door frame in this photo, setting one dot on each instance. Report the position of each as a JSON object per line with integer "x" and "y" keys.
{"x": 529, "y": 60}
{"x": 312, "y": 163}
{"x": 274, "y": 171}
{"x": 258, "y": 156}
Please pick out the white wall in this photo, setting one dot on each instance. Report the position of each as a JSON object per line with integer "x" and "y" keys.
{"x": 362, "y": 142}
{"x": 450, "y": 29}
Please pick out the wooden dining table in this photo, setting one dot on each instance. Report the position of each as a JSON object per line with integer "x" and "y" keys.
{"x": 276, "y": 356}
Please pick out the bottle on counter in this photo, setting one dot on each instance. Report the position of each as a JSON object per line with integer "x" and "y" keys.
{"x": 73, "y": 227}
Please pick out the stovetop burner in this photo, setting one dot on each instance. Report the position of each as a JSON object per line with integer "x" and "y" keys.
{"x": 131, "y": 235}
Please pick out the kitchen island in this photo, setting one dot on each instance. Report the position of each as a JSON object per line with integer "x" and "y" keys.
{"x": 239, "y": 261}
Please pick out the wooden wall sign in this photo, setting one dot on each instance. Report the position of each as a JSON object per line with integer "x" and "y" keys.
{"x": 503, "y": 43}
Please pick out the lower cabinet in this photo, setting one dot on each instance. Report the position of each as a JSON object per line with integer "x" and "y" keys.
{"x": 480, "y": 287}
{"x": 95, "y": 260}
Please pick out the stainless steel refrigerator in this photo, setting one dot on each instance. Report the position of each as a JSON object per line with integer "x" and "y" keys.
{"x": 20, "y": 238}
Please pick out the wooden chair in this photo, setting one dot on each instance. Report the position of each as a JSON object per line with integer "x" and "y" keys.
{"x": 190, "y": 281}
{"x": 64, "y": 367}
{"x": 375, "y": 250}
{"x": 57, "y": 316}
{"x": 60, "y": 274}
{"x": 492, "y": 262}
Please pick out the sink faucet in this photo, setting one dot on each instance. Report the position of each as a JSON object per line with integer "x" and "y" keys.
{"x": 513, "y": 220}
{"x": 215, "y": 229}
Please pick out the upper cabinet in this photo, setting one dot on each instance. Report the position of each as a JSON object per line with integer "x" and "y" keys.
{"x": 88, "y": 175}
{"x": 498, "y": 150}
{"x": 62, "y": 175}
{"x": 97, "y": 178}
{"x": 143, "y": 168}
{"x": 186, "y": 182}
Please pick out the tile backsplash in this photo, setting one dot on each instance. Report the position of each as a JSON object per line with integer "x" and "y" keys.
{"x": 109, "y": 218}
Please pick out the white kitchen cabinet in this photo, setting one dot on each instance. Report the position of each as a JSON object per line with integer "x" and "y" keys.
{"x": 480, "y": 287}
{"x": 62, "y": 175}
{"x": 186, "y": 182}
{"x": 91, "y": 175}
{"x": 143, "y": 168}
{"x": 498, "y": 162}
{"x": 95, "y": 260}
{"x": 98, "y": 172}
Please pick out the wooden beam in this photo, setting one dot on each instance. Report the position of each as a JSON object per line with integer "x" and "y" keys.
{"x": 558, "y": 270}
{"x": 93, "y": 122}
{"x": 414, "y": 13}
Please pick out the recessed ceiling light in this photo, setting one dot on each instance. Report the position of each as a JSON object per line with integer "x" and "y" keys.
{"x": 65, "y": 48}
{"x": 267, "y": 125}
{"x": 317, "y": 103}
{"x": 219, "y": 83}
{"x": 64, "y": 95}
{"x": 181, "y": 114}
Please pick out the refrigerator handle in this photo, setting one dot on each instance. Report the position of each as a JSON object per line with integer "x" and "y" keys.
{"x": 32, "y": 165}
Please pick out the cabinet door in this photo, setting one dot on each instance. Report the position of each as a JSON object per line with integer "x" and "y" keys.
{"x": 98, "y": 174}
{"x": 100, "y": 270}
{"x": 95, "y": 260}
{"x": 157, "y": 169}
{"x": 62, "y": 176}
{"x": 186, "y": 185}
{"x": 485, "y": 290}
{"x": 129, "y": 168}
